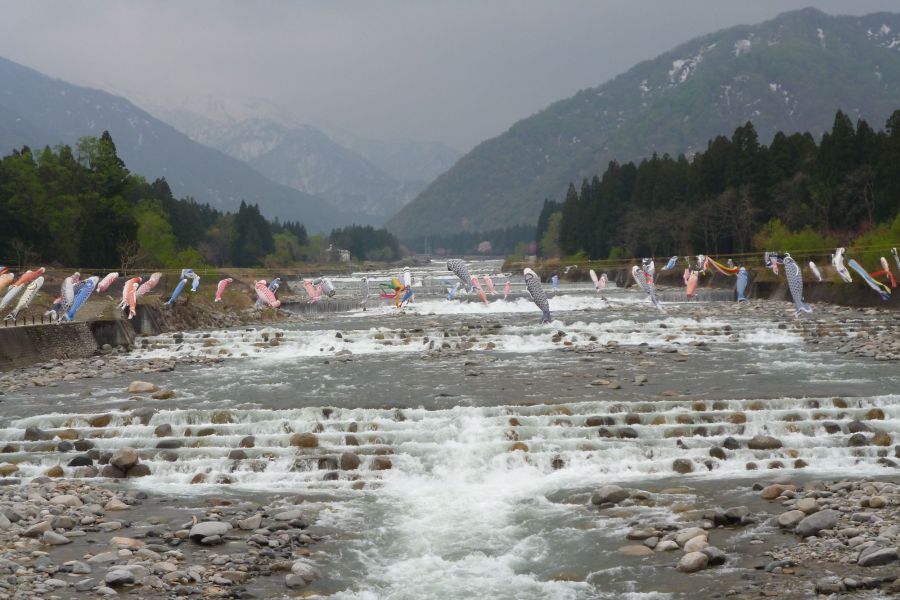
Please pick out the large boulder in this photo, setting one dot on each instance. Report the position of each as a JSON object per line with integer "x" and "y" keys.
{"x": 124, "y": 458}
{"x": 816, "y": 522}
{"x": 693, "y": 562}
{"x": 764, "y": 442}
{"x": 304, "y": 440}
{"x": 609, "y": 494}
{"x": 302, "y": 574}
{"x": 142, "y": 387}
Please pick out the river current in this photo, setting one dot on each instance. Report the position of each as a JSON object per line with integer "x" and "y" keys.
{"x": 481, "y": 434}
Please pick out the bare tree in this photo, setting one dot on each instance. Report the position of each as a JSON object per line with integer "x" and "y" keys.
{"x": 23, "y": 252}
{"x": 129, "y": 254}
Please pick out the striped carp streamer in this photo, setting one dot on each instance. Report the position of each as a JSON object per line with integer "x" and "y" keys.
{"x": 671, "y": 264}
{"x": 265, "y": 294}
{"x": 885, "y": 272}
{"x": 80, "y": 298}
{"x": 364, "y": 292}
{"x": 741, "y": 286}
{"x": 837, "y": 261}
{"x": 28, "y": 295}
{"x": 195, "y": 279}
{"x": 795, "y": 283}
{"x": 19, "y": 286}
{"x": 220, "y": 289}
{"x": 644, "y": 279}
{"x": 538, "y": 296}
{"x": 479, "y": 289}
{"x": 883, "y": 290}
{"x": 815, "y": 270}
{"x": 461, "y": 270}
{"x": 723, "y": 269}
{"x": 106, "y": 282}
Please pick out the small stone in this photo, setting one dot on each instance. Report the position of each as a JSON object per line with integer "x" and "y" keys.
{"x": 807, "y": 505}
{"x": 115, "y": 504}
{"x": 814, "y": 523}
{"x": 764, "y": 442}
{"x": 124, "y": 458}
{"x": 250, "y": 523}
{"x": 715, "y": 555}
{"x": 116, "y": 577}
{"x": 696, "y": 544}
{"x": 304, "y": 440}
{"x": 611, "y": 494}
{"x": 209, "y": 528}
{"x": 141, "y": 387}
{"x": 638, "y": 550}
{"x": 54, "y": 539}
{"x": 874, "y": 556}
{"x": 682, "y": 465}
{"x": 69, "y": 500}
{"x": 791, "y": 518}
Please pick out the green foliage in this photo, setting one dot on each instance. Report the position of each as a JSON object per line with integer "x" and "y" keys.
{"x": 869, "y": 247}
{"x": 775, "y": 236}
{"x": 84, "y": 208}
{"x": 366, "y": 242}
{"x": 797, "y": 195}
{"x": 549, "y": 241}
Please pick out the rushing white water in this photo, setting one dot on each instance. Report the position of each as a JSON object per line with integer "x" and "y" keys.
{"x": 479, "y": 434}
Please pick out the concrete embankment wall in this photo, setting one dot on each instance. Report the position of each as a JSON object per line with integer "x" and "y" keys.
{"x": 23, "y": 346}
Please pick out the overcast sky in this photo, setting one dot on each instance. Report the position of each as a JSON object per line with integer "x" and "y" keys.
{"x": 457, "y": 71}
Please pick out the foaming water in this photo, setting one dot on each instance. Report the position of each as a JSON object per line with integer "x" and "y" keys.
{"x": 456, "y": 444}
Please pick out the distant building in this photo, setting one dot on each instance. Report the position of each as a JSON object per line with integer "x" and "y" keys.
{"x": 333, "y": 254}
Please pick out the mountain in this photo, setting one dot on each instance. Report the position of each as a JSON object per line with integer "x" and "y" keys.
{"x": 790, "y": 74}
{"x": 37, "y": 110}
{"x": 306, "y": 159}
{"x": 374, "y": 178}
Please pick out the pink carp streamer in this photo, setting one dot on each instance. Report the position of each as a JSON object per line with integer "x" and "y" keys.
{"x": 148, "y": 285}
{"x": 129, "y": 295}
{"x": 506, "y": 289}
{"x": 311, "y": 290}
{"x": 29, "y": 276}
{"x": 489, "y": 284}
{"x": 220, "y": 289}
{"x": 5, "y": 280}
{"x": 106, "y": 282}
{"x": 601, "y": 283}
{"x": 266, "y": 295}
{"x": 479, "y": 289}
{"x": 691, "y": 283}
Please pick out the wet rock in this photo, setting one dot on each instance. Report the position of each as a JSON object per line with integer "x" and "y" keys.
{"x": 770, "y": 492}
{"x": 716, "y": 556}
{"x": 816, "y": 522}
{"x": 692, "y": 562}
{"x": 696, "y": 544}
{"x": 141, "y": 387}
{"x": 221, "y": 417}
{"x": 641, "y": 534}
{"x": 112, "y": 472}
{"x": 682, "y": 465}
{"x": 349, "y": 461}
{"x": 831, "y": 427}
{"x": 717, "y": 452}
{"x": 248, "y": 442}
{"x": 609, "y": 494}
{"x": 170, "y": 444}
{"x": 100, "y": 420}
{"x": 856, "y": 440}
{"x": 237, "y": 455}
{"x": 858, "y": 427}
{"x": 730, "y": 443}
{"x": 381, "y": 463}
{"x": 807, "y": 505}
{"x": 638, "y": 550}
{"x": 140, "y": 470}
{"x": 304, "y": 440}
{"x": 56, "y": 471}
{"x": 764, "y": 442}
{"x": 65, "y": 446}
{"x": 124, "y": 458}
{"x": 33, "y": 434}
{"x": 666, "y": 546}
{"x": 69, "y": 500}
{"x": 302, "y": 574}
{"x": 163, "y": 430}
{"x": 627, "y": 433}
{"x": 250, "y": 523}
{"x": 115, "y": 504}
{"x": 687, "y": 534}
{"x": 881, "y": 438}
{"x": 163, "y": 395}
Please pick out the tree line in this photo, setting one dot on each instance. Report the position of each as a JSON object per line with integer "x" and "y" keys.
{"x": 83, "y": 207}
{"x": 737, "y": 196}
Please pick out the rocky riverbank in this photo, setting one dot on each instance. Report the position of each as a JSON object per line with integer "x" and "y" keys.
{"x": 61, "y": 538}
{"x": 796, "y": 540}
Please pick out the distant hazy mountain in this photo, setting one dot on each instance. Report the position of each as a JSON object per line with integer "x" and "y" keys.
{"x": 375, "y": 178}
{"x": 306, "y": 159}
{"x": 790, "y": 73}
{"x": 37, "y": 110}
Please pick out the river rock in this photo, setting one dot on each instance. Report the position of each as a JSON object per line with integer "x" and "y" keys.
{"x": 52, "y": 538}
{"x": 248, "y": 442}
{"x": 696, "y": 544}
{"x": 693, "y": 562}
{"x": 82, "y": 460}
{"x": 807, "y": 505}
{"x": 303, "y": 573}
{"x": 609, "y": 494}
{"x": 124, "y": 458}
{"x": 115, "y": 504}
{"x": 381, "y": 463}
{"x": 250, "y": 523}
{"x": 682, "y": 465}
{"x": 208, "y": 529}
{"x": 56, "y": 471}
{"x": 636, "y": 550}
{"x": 791, "y": 518}
{"x": 666, "y": 545}
{"x": 69, "y": 500}
{"x": 139, "y": 470}
{"x": 163, "y": 430}
{"x": 141, "y": 387}
{"x": 764, "y": 442}
{"x": 304, "y": 440}
{"x": 816, "y": 522}
{"x": 349, "y": 461}
{"x": 163, "y": 395}
{"x": 33, "y": 434}
{"x": 687, "y": 534}
{"x": 874, "y": 556}
{"x": 119, "y": 576}
{"x": 715, "y": 555}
